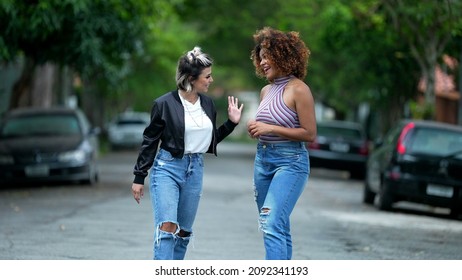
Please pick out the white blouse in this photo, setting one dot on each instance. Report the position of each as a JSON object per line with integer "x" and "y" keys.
{"x": 198, "y": 127}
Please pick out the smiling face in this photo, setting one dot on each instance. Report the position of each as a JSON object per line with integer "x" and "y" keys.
{"x": 203, "y": 81}
{"x": 278, "y": 54}
{"x": 268, "y": 67}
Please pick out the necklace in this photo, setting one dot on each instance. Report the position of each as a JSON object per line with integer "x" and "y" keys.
{"x": 186, "y": 106}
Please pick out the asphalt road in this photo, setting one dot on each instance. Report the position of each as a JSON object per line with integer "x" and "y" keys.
{"x": 103, "y": 222}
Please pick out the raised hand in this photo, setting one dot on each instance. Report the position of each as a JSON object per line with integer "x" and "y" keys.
{"x": 234, "y": 111}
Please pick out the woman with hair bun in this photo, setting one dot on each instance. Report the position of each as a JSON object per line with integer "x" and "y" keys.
{"x": 182, "y": 128}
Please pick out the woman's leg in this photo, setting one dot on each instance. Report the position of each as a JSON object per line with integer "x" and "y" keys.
{"x": 280, "y": 176}
{"x": 190, "y": 194}
{"x": 166, "y": 175}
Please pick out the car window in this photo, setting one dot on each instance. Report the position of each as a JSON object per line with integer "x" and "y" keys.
{"x": 130, "y": 122}
{"x": 84, "y": 122}
{"x": 436, "y": 141}
{"x": 328, "y": 131}
{"x": 41, "y": 125}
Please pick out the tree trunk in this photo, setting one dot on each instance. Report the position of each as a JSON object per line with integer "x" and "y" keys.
{"x": 43, "y": 85}
{"x": 21, "y": 94}
{"x": 92, "y": 103}
{"x": 63, "y": 88}
{"x": 391, "y": 113}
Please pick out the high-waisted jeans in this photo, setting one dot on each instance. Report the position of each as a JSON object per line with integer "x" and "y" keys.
{"x": 175, "y": 188}
{"x": 281, "y": 171}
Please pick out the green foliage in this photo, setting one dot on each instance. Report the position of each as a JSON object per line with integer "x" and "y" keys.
{"x": 153, "y": 70}
{"x": 227, "y": 28}
{"x": 421, "y": 111}
{"x": 359, "y": 59}
{"x": 91, "y": 36}
{"x": 427, "y": 27}
{"x": 129, "y": 48}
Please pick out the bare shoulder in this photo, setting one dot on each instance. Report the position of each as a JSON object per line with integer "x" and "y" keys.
{"x": 264, "y": 91}
{"x": 299, "y": 89}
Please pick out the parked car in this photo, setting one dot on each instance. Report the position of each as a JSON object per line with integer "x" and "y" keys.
{"x": 126, "y": 130}
{"x": 418, "y": 161}
{"x": 39, "y": 145}
{"x": 340, "y": 145}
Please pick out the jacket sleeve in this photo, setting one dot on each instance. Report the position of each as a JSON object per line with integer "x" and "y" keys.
{"x": 225, "y": 129}
{"x": 151, "y": 137}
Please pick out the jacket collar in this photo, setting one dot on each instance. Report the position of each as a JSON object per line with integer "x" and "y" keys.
{"x": 176, "y": 95}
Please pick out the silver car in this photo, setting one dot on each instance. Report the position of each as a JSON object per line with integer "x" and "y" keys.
{"x": 126, "y": 130}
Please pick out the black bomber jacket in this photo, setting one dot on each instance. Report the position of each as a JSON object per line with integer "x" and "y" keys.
{"x": 167, "y": 127}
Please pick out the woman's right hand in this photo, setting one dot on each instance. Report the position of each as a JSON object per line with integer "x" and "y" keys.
{"x": 256, "y": 128}
{"x": 138, "y": 192}
{"x": 250, "y": 124}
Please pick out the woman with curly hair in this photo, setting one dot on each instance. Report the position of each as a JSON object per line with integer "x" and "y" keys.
{"x": 284, "y": 121}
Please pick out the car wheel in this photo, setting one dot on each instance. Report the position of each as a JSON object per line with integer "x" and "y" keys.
{"x": 92, "y": 177}
{"x": 385, "y": 199}
{"x": 358, "y": 174}
{"x": 368, "y": 195}
{"x": 455, "y": 212}
{"x": 115, "y": 147}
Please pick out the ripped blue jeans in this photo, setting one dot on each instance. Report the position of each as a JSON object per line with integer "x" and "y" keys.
{"x": 281, "y": 171}
{"x": 175, "y": 189}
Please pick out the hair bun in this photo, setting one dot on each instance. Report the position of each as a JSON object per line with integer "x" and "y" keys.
{"x": 196, "y": 56}
{"x": 194, "y": 53}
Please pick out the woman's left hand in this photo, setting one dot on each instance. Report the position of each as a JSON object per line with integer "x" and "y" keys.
{"x": 234, "y": 112}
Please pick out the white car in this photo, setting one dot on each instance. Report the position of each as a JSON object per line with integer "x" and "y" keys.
{"x": 126, "y": 130}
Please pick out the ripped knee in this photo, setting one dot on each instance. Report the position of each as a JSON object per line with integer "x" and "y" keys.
{"x": 168, "y": 227}
{"x": 264, "y": 213}
{"x": 184, "y": 233}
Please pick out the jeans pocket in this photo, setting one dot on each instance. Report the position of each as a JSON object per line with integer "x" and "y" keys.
{"x": 164, "y": 155}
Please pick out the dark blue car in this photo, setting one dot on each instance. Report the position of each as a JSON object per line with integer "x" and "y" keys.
{"x": 41, "y": 145}
{"x": 340, "y": 145}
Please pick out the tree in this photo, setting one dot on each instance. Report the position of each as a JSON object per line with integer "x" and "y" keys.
{"x": 94, "y": 38}
{"x": 356, "y": 58}
{"x": 152, "y": 72}
{"x": 227, "y": 35}
{"x": 427, "y": 27}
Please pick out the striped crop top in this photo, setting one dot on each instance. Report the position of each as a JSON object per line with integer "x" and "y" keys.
{"x": 273, "y": 110}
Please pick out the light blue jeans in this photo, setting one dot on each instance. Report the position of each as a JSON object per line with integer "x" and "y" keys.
{"x": 175, "y": 188}
{"x": 280, "y": 173}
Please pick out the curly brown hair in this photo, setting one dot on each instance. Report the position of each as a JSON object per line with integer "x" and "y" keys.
{"x": 285, "y": 49}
